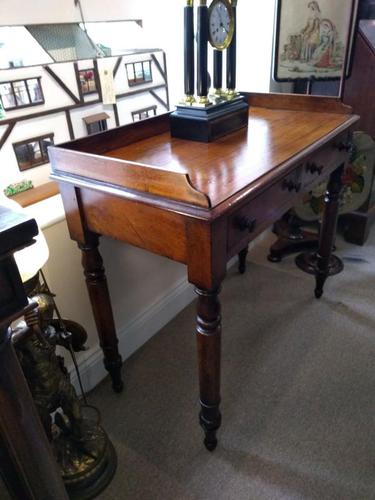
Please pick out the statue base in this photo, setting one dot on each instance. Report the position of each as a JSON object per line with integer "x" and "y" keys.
{"x": 206, "y": 124}
{"x": 88, "y": 464}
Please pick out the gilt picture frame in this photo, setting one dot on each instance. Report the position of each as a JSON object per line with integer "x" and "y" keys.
{"x": 313, "y": 39}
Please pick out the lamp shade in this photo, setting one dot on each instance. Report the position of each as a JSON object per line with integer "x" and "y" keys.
{"x": 31, "y": 259}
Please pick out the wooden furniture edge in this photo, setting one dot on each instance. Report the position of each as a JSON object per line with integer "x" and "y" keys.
{"x": 255, "y": 189}
{"x": 132, "y": 176}
{"x": 363, "y": 33}
{"x": 119, "y": 137}
{"x": 36, "y": 194}
{"x": 295, "y": 102}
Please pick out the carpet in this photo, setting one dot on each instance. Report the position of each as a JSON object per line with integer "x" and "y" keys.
{"x": 298, "y": 385}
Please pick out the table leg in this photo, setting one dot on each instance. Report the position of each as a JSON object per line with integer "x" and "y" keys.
{"x": 323, "y": 263}
{"x": 209, "y": 346}
{"x": 242, "y": 260}
{"x": 328, "y": 229}
{"x": 96, "y": 281}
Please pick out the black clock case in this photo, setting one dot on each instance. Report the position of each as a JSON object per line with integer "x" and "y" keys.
{"x": 210, "y": 123}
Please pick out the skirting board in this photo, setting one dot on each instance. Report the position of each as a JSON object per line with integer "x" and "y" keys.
{"x": 141, "y": 328}
{"x": 135, "y": 333}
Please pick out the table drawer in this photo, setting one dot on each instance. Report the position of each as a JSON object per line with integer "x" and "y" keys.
{"x": 324, "y": 161}
{"x": 256, "y": 215}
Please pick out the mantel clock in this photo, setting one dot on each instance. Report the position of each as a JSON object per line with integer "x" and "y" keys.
{"x": 205, "y": 116}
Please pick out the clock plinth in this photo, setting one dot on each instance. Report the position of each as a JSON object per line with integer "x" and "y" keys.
{"x": 206, "y": 124}
{"x": 203, "y": 117}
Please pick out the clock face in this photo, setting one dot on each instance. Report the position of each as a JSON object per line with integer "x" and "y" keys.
{"x": 220, "y": 24}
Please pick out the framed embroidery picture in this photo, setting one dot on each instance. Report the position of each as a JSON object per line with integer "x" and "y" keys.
{"x": 313, "y": 39}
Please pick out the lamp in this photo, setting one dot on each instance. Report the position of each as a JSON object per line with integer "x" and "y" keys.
{"x": 31, "y": 259}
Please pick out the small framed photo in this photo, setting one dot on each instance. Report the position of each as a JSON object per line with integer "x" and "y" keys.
{"x": 313, "y": 39}
{"x": 87, "y": 79}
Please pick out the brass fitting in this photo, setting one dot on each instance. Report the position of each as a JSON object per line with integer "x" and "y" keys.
{"x": 189, "y": 99}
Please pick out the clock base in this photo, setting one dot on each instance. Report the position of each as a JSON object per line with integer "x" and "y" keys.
{"x": 210, "y": 123}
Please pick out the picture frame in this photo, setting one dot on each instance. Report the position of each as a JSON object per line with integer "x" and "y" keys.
{"x": 87, "y": 79}
{"x": 313, "y": 39}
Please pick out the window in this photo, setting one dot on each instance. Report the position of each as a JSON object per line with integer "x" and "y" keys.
{"x": 96, "y": 123}
{"x": 138, "y": 72}
{"x": 21, "y": 93}
{"x": 33, "y": 152}
{"x": 87, "y": 80}
{"x": 141, "y": 114}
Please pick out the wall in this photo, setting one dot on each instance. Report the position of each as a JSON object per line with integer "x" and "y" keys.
{"x": 14, "y": 12}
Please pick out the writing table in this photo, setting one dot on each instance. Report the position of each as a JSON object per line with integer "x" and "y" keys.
{"x": 200, "y": 204}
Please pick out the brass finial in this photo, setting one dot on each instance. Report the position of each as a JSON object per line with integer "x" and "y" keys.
{"x": 189, "y": 3}
{"x": 202, "y": 3}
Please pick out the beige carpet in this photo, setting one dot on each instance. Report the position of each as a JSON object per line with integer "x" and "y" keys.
{"x": 298, "y": 387}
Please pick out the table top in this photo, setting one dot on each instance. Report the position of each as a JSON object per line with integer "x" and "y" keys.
{"x": 144, "y": 158}
{"x": 222, "y": 168}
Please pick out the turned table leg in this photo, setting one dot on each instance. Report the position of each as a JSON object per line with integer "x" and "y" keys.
{"x": 209, "y": 346}
{"x": 96, "y": 281}
{"x": 242, "y": 260}
{"x": 323, "y": 263}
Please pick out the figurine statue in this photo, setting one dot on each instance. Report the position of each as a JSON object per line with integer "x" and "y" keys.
{"x": 83, "y": 451}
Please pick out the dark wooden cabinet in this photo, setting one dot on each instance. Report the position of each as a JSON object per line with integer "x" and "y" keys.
{"x": 359, "y": 92}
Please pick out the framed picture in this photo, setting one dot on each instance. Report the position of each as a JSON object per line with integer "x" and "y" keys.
{"x": 87, "y": 80}
{"x": 313, "y": 39}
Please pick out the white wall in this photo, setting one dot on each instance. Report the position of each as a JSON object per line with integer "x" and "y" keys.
{"x": 15, "y": 12}
{"x": 255, "y": 32}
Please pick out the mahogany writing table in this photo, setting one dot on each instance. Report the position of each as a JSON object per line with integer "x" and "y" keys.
{"x": 200, "y": 204}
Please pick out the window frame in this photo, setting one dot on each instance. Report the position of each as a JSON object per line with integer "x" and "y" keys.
{"x": 144, "y": 110}
{"x": 135, "y": 82}
{"x": 80, "y": 90}
{"x": 44, "y": 158}
{"x": 103, "y": 121}
{"x": 30, "y": 104}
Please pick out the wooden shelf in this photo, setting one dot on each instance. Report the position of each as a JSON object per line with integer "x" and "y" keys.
{"x": 36, "y": 194}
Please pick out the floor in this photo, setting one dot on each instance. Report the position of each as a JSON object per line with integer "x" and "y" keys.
{"x": 298, "y": 384}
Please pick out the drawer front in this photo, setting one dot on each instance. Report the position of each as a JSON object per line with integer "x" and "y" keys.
{"x": 255, "y": 216}
{"x": 324, "y": 161}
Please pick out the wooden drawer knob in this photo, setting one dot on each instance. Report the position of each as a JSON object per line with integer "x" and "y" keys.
{"x": 291, "y": 185}
{"x": 245, "y": 223}
{"x": 345, "y": 146}
{"x": 313, "y": 168}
